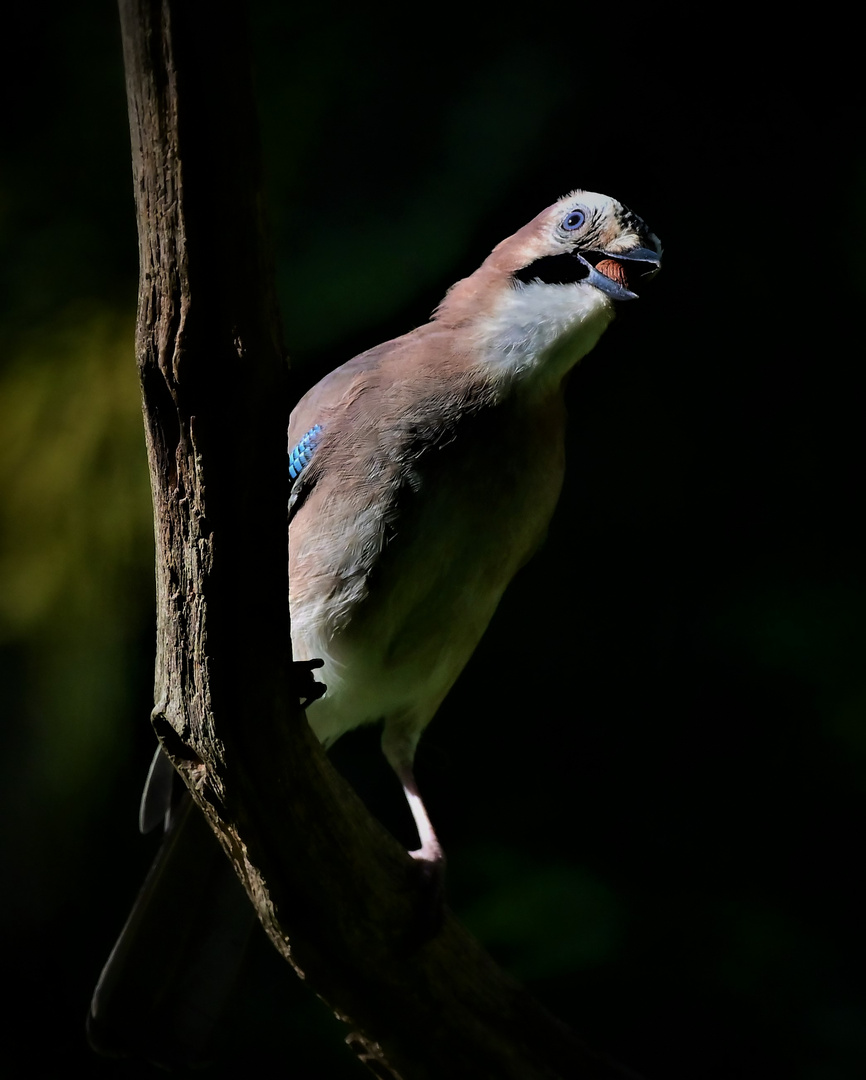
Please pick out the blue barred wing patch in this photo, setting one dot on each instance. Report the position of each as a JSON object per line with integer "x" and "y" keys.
{"x": 302, "y": 454}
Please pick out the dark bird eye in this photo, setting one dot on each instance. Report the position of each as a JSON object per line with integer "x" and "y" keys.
{"x": 574, "y": 220}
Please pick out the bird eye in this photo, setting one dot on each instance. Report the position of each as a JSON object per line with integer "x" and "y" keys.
{"x": 574, "y": 220}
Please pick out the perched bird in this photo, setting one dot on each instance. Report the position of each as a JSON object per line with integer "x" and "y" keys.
{"x": 410, "y": 510}
{"x": 410, "y": 513}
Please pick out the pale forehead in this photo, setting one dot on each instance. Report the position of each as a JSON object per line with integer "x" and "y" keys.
{"x": 592, "y": 200}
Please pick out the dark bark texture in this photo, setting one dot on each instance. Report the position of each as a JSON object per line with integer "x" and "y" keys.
{"x": 337, "y": 896}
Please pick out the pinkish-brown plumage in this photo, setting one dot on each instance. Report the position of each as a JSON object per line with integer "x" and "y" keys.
{"x": 436, "y": 469}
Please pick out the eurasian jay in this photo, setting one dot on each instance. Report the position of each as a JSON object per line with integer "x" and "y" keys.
{"x": 410, "y": 512}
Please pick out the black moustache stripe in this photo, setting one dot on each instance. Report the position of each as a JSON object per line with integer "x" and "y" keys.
{"x": 553, "y": 270}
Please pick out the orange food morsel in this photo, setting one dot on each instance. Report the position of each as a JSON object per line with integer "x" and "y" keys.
{"x": 613, "y": 269}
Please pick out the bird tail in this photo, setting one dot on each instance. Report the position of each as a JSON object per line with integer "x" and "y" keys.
{"x": 168, "y": 980}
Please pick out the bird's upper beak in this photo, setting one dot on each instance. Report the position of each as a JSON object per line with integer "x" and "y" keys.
{"x": 620, "y": 273}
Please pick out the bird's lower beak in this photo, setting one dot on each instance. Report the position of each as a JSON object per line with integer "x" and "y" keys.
{"x": 618, "y": 275}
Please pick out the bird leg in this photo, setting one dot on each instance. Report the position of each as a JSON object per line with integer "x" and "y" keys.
{"x": 400, "y": 736}
{"x": 430, "y": 850}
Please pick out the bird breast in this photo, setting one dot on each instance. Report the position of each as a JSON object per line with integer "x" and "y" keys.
{"x": 396, "y": 606}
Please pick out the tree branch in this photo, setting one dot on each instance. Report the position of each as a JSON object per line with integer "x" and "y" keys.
{"x": 337, "y": 896}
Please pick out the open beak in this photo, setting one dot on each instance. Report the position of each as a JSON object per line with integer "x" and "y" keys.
{"x": 618, "y": 275}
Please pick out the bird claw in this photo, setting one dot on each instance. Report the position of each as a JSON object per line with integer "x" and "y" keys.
{"x": 307, "y": 688}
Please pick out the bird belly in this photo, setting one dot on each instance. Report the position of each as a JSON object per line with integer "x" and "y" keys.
{"x": 412, "y": 619}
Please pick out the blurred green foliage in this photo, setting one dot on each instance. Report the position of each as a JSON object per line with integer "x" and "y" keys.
{"x": 75, "y": 526}
{"x": 650, "y": 780}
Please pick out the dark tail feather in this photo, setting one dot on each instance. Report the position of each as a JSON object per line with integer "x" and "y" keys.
{"x": 166, "y": 984}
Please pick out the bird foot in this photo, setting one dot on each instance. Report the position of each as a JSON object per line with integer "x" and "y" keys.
{"x": 428, "y": 879}
{"x": 429, "y": 852}
{"x": 308, "y": 690}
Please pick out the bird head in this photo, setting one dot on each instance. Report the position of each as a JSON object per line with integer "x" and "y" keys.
{"x": 583, "y": 237}
{"x": 543, "y": 297}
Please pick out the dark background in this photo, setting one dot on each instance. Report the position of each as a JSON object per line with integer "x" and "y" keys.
{"x": 650, "y": 779}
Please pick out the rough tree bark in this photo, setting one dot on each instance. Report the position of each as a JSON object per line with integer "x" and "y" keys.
{"x": 337, "y": 896}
